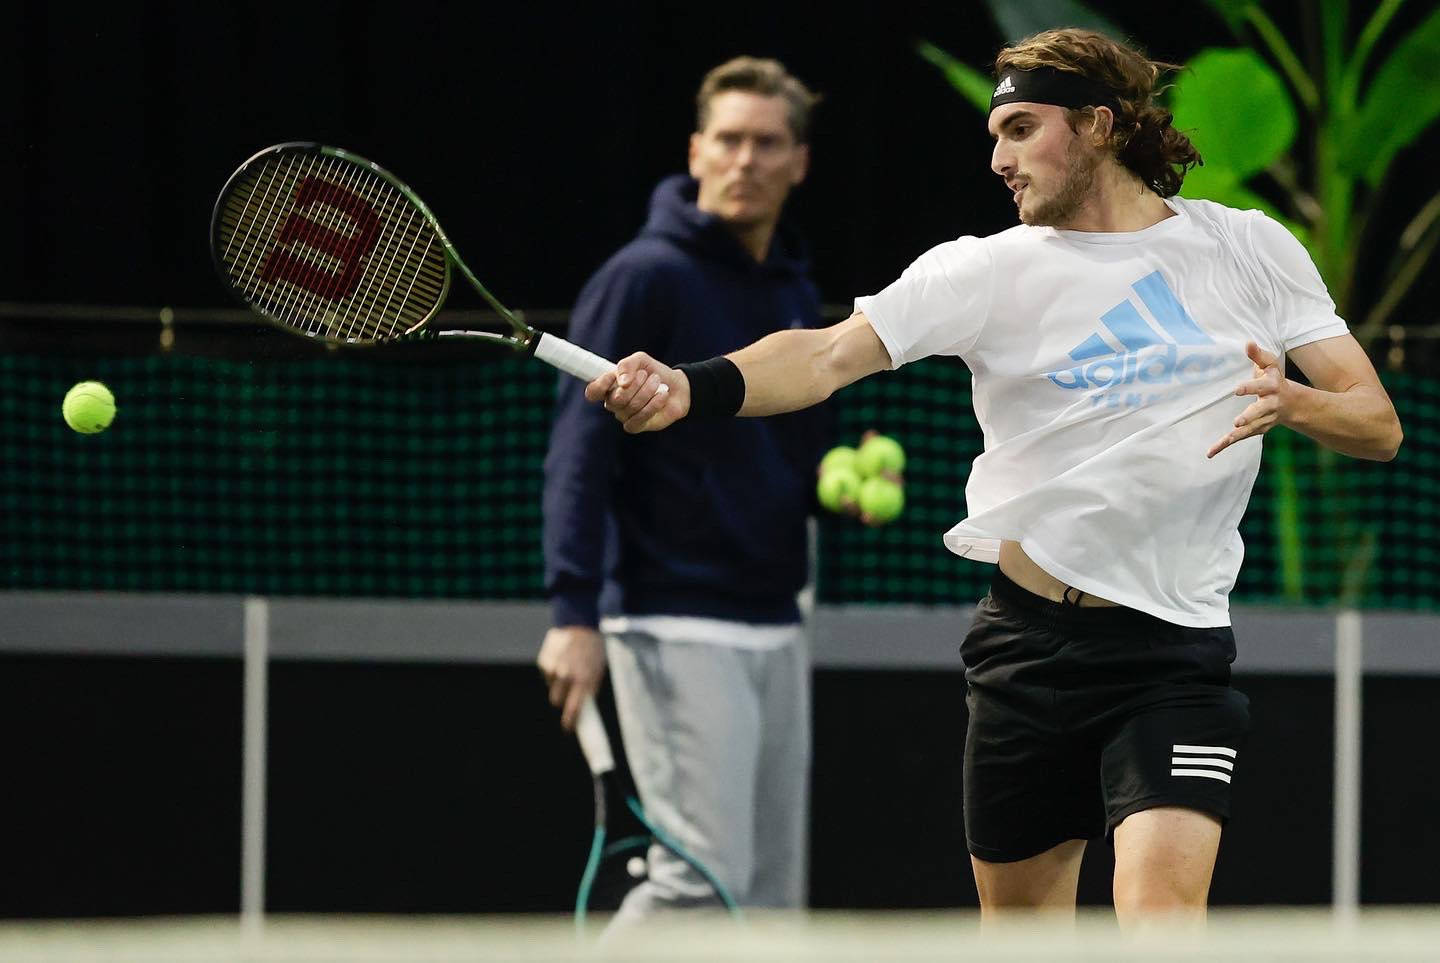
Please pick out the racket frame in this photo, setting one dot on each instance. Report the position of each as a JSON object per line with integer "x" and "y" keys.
{"x": 525, "y": 338}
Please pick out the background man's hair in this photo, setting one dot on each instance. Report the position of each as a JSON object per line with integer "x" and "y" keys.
{"x": 1142, "y": 139}
{"x": 755, "y": 75}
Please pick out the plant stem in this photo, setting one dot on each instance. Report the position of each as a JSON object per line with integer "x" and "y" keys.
{"x": 1396, "y": 290}
{"x": 1286, "y": 503}
{"x": 1302, "y": 201}
{"x": 1336, "y": 191}
{"x": 1294, "y": 70}
{"x": 1421, "y": 223}
{"x": 1349, "y": 93}
{"x": 1334, "y": 16}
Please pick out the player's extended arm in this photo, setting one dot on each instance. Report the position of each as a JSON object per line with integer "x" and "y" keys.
{"x": 784, "y": 371}
{"x": 1346, "y": 407}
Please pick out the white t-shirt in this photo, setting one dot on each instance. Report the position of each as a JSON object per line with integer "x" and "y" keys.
{"x": 1104, "y": 367}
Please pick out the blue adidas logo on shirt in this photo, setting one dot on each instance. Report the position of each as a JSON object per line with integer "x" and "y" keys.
{"x": 1101, "y": 366}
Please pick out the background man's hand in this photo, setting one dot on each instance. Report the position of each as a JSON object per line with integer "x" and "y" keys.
{"x": 642, "y": 393}
{"x": 572, "y": 659}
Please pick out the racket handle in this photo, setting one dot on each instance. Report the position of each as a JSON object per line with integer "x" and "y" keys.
{"x": 594, "y": 743}
{"x": 569, "y": 358}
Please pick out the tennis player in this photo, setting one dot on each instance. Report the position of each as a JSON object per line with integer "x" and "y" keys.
{"x": 1128, "y": 351}
{"x": 678, "y": 557}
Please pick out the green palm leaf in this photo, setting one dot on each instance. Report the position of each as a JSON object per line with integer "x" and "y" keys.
{"x": 1021, "y": 18}
{"x": 971, "y": 83}
{"x": 1403, "y": 100}
{"x": 1235, "y": 108}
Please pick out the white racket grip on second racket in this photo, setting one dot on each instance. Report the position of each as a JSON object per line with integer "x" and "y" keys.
{"x": 570, "y": 358}
{"x": 594, "y": 743}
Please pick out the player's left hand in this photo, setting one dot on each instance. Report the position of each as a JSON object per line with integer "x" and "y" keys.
{"x": 1268, "y": 384}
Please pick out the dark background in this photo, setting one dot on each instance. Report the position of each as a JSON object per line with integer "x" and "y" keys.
{"x": 536, "y": 131}
{"x": 450, "y": 789}
{"x": 425, "y": 788}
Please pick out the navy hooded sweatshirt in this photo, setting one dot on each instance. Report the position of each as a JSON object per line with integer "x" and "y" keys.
{"x": 705, "y": 518}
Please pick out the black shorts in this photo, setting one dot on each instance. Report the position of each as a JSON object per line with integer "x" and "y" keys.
{"x": 1080, "y": 717}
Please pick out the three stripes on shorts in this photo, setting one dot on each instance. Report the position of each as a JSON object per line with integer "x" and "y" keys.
{"x": 1206, "y": 762}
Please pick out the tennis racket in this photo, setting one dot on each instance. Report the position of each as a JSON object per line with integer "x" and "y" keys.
{"x": 595, "y": 745}
{"x": 329, "y": 245}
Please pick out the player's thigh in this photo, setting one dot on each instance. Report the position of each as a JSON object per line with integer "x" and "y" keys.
{"x": 1164, "y": 859}
{"x": 1046, "y": 880}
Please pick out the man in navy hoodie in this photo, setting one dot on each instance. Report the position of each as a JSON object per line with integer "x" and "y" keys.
{"x": 680, "y": 554}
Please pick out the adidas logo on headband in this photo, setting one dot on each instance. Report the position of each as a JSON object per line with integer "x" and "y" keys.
{"x": 1048, "y": 85}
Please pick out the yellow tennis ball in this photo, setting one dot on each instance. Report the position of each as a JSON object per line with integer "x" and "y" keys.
{"x": 89, "y": 407}
{"x": 880, "y": 454}
{"x": 838, "y": 488}
{"x": 881, "y": 499}
{"x": 841, "y": 456}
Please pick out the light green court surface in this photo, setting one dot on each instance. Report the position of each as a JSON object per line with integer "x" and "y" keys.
{"x": 1232, "y": 936}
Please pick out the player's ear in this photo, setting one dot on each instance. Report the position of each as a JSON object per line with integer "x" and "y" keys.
{"x": 1101, "y": 125}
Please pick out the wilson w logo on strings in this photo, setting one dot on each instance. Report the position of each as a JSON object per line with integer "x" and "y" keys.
{"x": 348, "y": 251}
{"x": 1113, "y": 354}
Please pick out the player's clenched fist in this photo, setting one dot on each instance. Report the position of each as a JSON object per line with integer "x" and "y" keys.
{"x": 642, "y": 393}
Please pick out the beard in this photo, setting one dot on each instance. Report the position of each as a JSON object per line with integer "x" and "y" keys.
{"x": 1061, "y": 207}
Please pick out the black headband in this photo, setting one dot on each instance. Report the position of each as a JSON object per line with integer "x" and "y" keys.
{"x": 1046, "y": 85}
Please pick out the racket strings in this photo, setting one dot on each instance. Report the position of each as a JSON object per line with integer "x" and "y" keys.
{"x": 316, "y": 308}
{"x": 262, "y": 209}
{"x": 275, "y": 185}
{"x": 300, "y": 239}
{"x": 407, "y": 264}
{"x": 330, "y": 249}
{"x": 340, "y": 323}
{"x": 285, "y": 301}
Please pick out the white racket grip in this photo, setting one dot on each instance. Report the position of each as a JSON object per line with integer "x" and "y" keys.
{"x": 569, "y": 358}
{"x": 593, "y": 741}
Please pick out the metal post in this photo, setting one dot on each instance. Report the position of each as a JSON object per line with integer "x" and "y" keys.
{"x": 252, "y": 830}
{"x": 1349, "y": 678}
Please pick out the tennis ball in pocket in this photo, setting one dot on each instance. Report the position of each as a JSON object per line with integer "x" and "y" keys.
{"x": 88, "y": 408}
{"x": 881, "y": 499}
{"x": 838, "y": 488}
{"x": 880, "y": 454}
{"x": 841, "y": 456}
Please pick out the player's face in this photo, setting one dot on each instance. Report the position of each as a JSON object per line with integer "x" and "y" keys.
{"x": 746, "y": 159}
{"x": 1047, "y": 166}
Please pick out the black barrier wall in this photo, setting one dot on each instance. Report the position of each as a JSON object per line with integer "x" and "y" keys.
{"x": 441, "y": 788}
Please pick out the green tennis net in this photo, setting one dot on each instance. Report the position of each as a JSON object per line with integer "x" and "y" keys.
{"x": 350, "y": 476}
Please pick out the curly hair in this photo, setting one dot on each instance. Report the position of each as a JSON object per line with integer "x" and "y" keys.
{"x": 1142, "y": 138}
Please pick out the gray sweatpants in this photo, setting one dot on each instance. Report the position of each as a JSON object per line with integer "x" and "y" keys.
{"x": 718, "y": 741}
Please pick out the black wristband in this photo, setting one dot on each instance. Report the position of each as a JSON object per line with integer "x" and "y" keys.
{"x": 717, "y": 388}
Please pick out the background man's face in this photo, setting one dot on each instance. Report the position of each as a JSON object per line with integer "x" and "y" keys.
{"x": 746, "y": 159}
